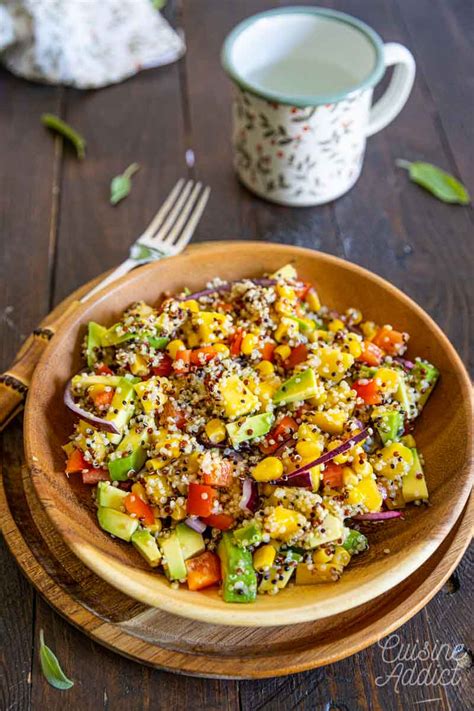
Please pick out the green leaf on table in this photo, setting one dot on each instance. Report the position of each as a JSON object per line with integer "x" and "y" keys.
{"x": 51, "y": 668}
{"x": 158, "y": 4}
{"x": 122, "y": 184}
{"x": 439, "y": 183}
{"x": 64, "y": 129}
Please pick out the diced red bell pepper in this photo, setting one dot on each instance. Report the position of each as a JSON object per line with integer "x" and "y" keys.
{"x": 221, "y": 521}
{"x": 135, "y": 505}
{"x": 93, "y": 476}
{"x": 332, "y": 475}
{"x": 200, "y": 500}
{"x": 302, "y": 290}
{"x": 298, "y": 355}
{"x": 201, "y": 356}
{"x": 170, "y": 412}
{"x": 76, "y": 462}
{"x": 100, "y": 396}
{"x": 236, "y": 342}
{"x": 267, "y": 351}
{"x": 282, "y": 432}
{"x": 182, "y": 361}
{"x": 203, "y": 570}
{"x": 102, "y": 369}
{"x": 165, "y": 366}
{"x": 220, "y": 475}
{"x": 371, "y": 354}
{"x": 390, "y": 341}
{"x": 368, "y": 391}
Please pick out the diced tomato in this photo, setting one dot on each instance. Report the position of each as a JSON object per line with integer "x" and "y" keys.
{"x": 182, "y": 361}
{"x": 175, "y": 414}
{"x": 392, "y": 342}
{"x": 102, "y": 369}
{"x": 100, "y": 396}
{"x": 200, "y": 500}
{"x": 203, "y": 570}
{"x": 267, "y": 351}
{"x": 135, "y": 505}
{"x": 368, "y": 391}
{"x": 283, "y": 431}
{"x": 372, "y": 354}
{"x": 93, "y": 476}
{"x": 200, "y": 356}
{"x": 302, "y": 290}
{"x": 221, "y": 521}
{"x": 332, "y": 475}
{"x": 221, "y": 474}
{"x": 76, "y": 462}
{"x": 298, "y": 355}
{"x": 236, "y": 342}
{"x": 165, "y": 366}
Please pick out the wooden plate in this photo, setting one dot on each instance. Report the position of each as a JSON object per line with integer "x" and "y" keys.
{"x": 444, "y": 435}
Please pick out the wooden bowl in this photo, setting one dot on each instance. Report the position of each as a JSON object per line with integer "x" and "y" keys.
{"x": 397, "y": 549}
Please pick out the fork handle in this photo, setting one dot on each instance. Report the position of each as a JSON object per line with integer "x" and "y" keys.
{"x": 15, "y": 381}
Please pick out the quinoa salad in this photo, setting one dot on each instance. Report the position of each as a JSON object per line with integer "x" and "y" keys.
{"x": 247, "y": 436}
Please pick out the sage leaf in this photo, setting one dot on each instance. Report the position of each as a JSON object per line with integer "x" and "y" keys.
{"x": 64, "y": 129}
{"x": 439, "y": 183}
{"x": 122, "y": 184}
{"x": 51, "y": 668}
{"x": 158, "y": 4}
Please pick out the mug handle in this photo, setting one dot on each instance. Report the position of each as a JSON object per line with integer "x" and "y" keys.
{"x": 392, "y": 102}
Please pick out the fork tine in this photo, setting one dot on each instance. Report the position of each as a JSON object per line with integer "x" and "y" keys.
{"x": 181, "y": 221}
{"x": 193, "y": 221}
{"x": 163, "y": 229}
{"x": 163, "y": 211}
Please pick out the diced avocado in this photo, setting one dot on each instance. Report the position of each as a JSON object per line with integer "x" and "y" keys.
{"x": 305, "y": 325}
{"x": 404, "y": 397}
{"x": 122, "y": 406}
{"x": 117, "y": 523}
{"x": 355, "y": 542}
{"x": 191, "y": 542}
{"x": 414, "y": 486}
{"x": 424, "y": 377}
{"x": 281, "y": 571}
{"x": 115, "y": 335}
{"x": 248, "y": 535}
{"x": 286, "y": 272}
{"x": 158, "y": 342}
{"x": 249, "y": 427}
{"x": 332, "y": 529}
{"x": 239, "y": 577}
{"x": 146, "y": 544}
{"x": 365, "y": 372}
{"x": 173, "y": 559}
{"x": 134, "y": 443}
{"x": 95, "y": 333}
{"x": 408, "y": 440}
{"x": 83, "y": 381}
{"x": 300, "y": 386}
{"x": 389, "y": 425}
{"x": 109, "y": 496}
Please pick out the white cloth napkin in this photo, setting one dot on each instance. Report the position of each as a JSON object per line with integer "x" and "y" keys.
{"x": 87, "y": 44}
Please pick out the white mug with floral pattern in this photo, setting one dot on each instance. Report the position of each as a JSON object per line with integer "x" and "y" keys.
{"x": 304, "y": 78}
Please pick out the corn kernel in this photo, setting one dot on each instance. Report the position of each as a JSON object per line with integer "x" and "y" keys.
{"x": 312, "y": 299}
{"x": 355, "y": 346}
{"x": 336, "y": 325}
{"x": 222, "y": 349}
{"x": 265, "y": 368}
{"x": 362, "y": 466}
{"x": 178, "y": 513}
{"x": 387, "y": 380}
{"x": 341, "y": 557}
{"x": 354, "y": 316}
{"x": 395, "y": 460}
{"x": 286, "y": 329}
{"x": 216, "y": 431}
{"x": 174, "y": 346}
{"x": 264, "y": 557}
{"x": 322, "y": 556}
{"x": 268, "y": 469}
{"x": 190, "y": 305}
{"x": 319, "y": 334}
{"x": 249, "y": 343}
{"x": 283, "y": 352}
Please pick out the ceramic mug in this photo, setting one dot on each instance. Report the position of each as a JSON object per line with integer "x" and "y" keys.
{"x": 304, "y": 78}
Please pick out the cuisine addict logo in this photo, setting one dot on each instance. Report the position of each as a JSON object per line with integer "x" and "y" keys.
{"x": 428, "y": 664}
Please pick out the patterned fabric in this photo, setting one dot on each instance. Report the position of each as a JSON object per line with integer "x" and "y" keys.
{"x": 84, "y": 43}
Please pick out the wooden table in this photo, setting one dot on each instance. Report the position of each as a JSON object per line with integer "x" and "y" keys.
{"x": 58, "y": 230}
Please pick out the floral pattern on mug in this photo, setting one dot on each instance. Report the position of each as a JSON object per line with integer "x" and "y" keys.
{"x": 299, "y": 156}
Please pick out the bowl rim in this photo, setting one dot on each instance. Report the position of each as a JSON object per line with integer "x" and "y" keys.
{"x": 115, "y": 572}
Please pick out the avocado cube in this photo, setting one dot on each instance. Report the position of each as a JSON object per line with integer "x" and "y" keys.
{"x": 134, "y": 444}
{"x": 157, "y": 342}
{"x": 110, "y": 497}
{"x": 424, "y": 377}
{"x": 238, "y": 574}
{"x": 248, "y": 535}
{"x": 95, "y": 333}
{"x": 250, "y": 427}
{"x": 173, "y": 559}
{"x": 115, "y": 335}
{"x": 414, "y": 486}
{"x": 332, "y": 530}
{"x": 389, "y": 425}
{"x": 281, "y": 571}
{"x": 355, "y": 542}
{"x": 117, "y": 523}
{"x": 146, "y": 544}
{"x": 122, "y": 406}
{"x": 191, "y": 542}
{"x": 287, "y": 272}
{"x": 300, "y": 386}
{"x": 404, "y": 397}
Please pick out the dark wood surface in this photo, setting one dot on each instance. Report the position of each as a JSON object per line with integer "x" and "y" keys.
{"x": 58, "y": 230}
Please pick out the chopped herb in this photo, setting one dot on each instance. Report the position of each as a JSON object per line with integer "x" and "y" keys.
{"x": 51, "y": 668}
{"x": 439, "y": 183}
{"x": 65, "y": 130}
{"x": 122, "y": 184}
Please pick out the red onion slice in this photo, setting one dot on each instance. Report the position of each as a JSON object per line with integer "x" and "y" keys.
{"x": 196, "y": 524}
{"x": 377, "y": 516}
{"x": 99, "y": 422}
{"x": 250, "y": 497}
{"x": 407, "y": 364}
{"x": 323, "y": 459}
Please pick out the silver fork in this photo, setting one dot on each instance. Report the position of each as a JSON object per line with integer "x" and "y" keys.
{"x": 168, "y": 233}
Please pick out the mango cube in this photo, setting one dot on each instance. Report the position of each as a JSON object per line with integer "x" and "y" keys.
{"x": 237, "y": 399}
{"x": 282, "y": 523}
